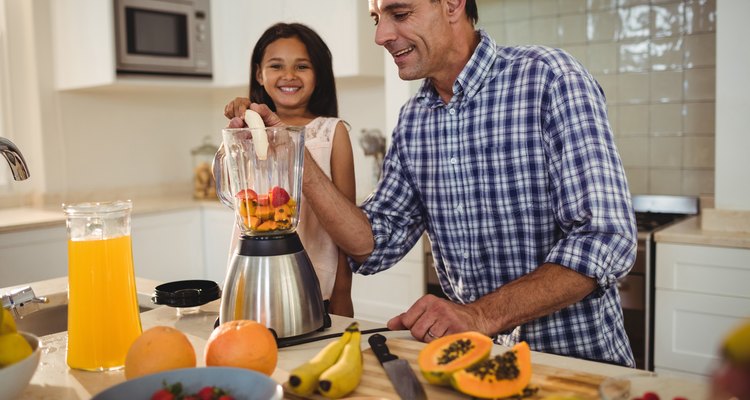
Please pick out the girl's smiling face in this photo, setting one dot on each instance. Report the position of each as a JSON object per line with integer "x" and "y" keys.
{"x": 287, "y": 75}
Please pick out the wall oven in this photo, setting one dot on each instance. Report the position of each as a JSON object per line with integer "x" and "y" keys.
{"x": 166, "y": 37}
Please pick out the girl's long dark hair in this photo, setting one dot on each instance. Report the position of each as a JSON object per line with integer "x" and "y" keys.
{"x": 323, "y": 100}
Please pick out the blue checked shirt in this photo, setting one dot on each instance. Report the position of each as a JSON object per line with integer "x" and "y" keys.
{"x": 517, "y": 170}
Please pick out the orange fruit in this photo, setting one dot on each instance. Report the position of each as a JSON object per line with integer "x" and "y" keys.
{"x": 243, "y": 344}
{"x": 158, "y": 349}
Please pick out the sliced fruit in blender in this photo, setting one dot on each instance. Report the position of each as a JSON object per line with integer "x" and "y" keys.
{"x": 259, "y": 214}
{"x": 267, "y": 226}
{"x": 247, "y": 194}
{"x": 278, "y": 196}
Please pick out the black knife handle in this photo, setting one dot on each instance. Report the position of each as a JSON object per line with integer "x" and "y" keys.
{"x": 377, "y": 343}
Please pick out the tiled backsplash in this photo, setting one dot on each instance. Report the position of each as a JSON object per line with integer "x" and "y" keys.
{"x": 655, "y": 61}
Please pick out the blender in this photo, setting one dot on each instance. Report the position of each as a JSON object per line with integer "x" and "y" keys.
{"x": 270, "y": 278}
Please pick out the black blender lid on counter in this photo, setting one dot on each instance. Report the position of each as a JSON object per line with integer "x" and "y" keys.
{"x": 189, "y": 293}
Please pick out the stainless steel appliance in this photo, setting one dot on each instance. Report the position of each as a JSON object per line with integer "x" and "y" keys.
{"x": 166, "y": 37}
{"x": 637, "y": 290}
{"x": 270, "y": 278}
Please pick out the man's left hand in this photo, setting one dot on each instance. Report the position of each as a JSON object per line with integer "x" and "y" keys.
{"x": 430, "y": 318}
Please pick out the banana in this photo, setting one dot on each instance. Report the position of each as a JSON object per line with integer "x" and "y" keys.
{"x": 344, "y": 376}
{"x": 260, "y": 137}
{"x": 303, "y": 380}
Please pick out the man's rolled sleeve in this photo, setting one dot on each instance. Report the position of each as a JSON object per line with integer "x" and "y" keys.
{"x": 603, "y": 260}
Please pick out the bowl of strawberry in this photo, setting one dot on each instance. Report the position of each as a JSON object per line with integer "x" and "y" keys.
{"x": 175, "y": 392}
{"x": 649, "y": 386}
{"x": 201, "y": 383}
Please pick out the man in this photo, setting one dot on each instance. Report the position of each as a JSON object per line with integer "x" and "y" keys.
{"x": 506, "y": 158}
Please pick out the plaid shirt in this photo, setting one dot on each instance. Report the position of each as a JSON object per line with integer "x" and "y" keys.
{"x": 517, "y": 170}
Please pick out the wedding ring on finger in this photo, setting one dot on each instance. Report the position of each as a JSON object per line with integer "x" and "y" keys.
{"x": 431, "y": 335}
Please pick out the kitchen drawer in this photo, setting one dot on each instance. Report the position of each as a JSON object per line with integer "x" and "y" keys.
{"x": 703, "y": 269}
{"x": 33, "y": 255}
{"x": 689, "y": 328}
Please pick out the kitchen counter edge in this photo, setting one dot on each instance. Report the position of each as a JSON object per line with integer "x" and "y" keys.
{"x": 25, "y": 218}
{"x": 689, "y": 231}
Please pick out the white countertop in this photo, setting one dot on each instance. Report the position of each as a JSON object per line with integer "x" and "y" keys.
{"x": 22, "y": 218}
{"x": 54, "y": 380}
{"x": 690, "y": 231}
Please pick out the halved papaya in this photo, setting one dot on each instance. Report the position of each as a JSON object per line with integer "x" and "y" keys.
{"x": 448, "y": 354}
{"x": 500, "y": 376}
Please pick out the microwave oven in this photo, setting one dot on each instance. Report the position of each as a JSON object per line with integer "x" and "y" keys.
{"x": 165, "y": 37}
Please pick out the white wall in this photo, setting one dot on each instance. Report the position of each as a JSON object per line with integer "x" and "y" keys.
{"x": 732, "y": 105}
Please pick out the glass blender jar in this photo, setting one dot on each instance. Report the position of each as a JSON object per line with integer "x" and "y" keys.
{"x": 270, "y": 278}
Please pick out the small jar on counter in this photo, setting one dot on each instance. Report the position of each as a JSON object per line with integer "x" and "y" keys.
{"x": 204, "y": 185}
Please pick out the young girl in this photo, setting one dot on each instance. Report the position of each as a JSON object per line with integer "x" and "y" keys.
{"x": 292, "y": 73}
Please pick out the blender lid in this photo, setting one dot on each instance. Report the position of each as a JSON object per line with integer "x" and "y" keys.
{"x": 188, "y": 293}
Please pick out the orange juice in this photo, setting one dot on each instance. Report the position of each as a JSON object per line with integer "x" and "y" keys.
{"x": 103, "y": 318}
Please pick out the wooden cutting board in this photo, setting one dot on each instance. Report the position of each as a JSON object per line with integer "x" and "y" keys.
{"x": 549, "y": 380}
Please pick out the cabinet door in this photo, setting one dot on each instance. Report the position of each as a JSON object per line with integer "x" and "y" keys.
{"x": 83, "y": 43}
{"x": 33, "y": 255}
{"x": 690, "y": 327}
{"x": 235, "y": 27}
{"x": 345, "y": 27}
{"x": 701, "y": 294}
{"x": 168, "y": 246}
{"x": 218, "y": 225}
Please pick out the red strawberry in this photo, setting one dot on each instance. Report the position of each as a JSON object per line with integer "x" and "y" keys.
{"x": 226, "y": 397}
{"x": 207, "y": 393}
{"x": 162, "y": 394}
{"x": 192, "y": 397}
{"x": 279, "y": 196}
{"x": 650, "y": 396}
{"x": 247, "y": 194}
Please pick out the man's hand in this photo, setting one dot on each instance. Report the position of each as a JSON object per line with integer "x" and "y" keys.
{"x": 431, "y": 317}
{"x": 237, "y": 107}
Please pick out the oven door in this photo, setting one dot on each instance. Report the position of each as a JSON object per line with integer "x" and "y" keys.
{"x": 156, "y": 36}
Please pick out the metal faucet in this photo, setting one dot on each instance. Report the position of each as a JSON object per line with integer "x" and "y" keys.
{"x": 15, "y": 159}
{"x": 17, "y": 299}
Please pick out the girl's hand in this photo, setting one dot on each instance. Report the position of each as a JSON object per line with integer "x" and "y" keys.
{"x": 237, "y": 107}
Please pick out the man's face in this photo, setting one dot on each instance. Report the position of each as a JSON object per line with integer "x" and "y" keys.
{"x": 415, "y": 32}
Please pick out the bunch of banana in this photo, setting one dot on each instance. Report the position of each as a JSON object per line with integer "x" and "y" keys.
{"x": 335, "y": 371}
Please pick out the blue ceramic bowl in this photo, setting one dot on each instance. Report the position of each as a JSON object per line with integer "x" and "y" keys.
{"x": 242, "y": 384}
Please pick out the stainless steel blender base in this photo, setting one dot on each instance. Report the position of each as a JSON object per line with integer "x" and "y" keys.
{"x": 280, "y": 291}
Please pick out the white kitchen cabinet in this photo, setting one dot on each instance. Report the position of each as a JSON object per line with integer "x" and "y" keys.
{"x": 167, "y": 246}
{"x": 345, "y": 26}
{"x": 701, "y": 294}
{"x": 218, "y": 225}
{"x": 83, "y": 41}
{"x": 33, "y": 255}
{"x": 347, "y": 29}
{"x": 191, "y": 243}
{"x": 384, "y": 295}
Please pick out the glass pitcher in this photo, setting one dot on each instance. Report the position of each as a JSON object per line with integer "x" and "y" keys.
{"x": 261, "y": 178}
{"x": 103, "y": 318}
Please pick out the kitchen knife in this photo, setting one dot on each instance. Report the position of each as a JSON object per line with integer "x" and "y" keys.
{"x": 399, "y": 372}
